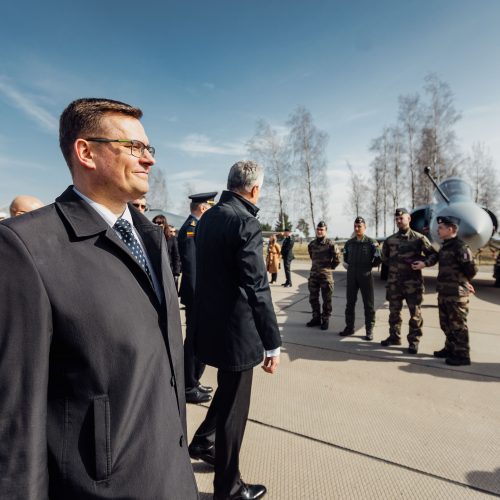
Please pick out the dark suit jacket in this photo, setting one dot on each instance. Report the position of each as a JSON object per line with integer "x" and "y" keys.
{"x": 187, "y": 251}
{"x": 91, "y": 366}
{"x": 234, "y": 315}
{"x": 287, "y": 249}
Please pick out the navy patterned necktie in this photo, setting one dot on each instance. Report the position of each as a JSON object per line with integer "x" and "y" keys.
{"x": 127, "y": 236}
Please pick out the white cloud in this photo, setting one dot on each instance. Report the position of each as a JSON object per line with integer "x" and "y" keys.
{"x": 200, "y": 145}
{"x": 361, "y": 115}
{"x": 28, "y": 106}
{"x": 184, "y": 176}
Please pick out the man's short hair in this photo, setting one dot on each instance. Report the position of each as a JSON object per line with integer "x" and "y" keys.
{"x": 244, "y": 175}
{"x": 83, "y": 118}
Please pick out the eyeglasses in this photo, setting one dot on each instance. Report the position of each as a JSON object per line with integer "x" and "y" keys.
{"x": 137, "y": 148}
{"x": 158, "y": 223}
{"x": 141, "y": 206}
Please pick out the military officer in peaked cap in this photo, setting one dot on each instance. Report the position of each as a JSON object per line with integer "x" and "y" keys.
{"x": 193, "y": 369}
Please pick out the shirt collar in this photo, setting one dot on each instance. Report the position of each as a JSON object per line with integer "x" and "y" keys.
{"x": 105, "y": 212}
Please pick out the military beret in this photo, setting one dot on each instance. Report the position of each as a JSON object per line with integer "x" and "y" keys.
{"x": 400, "y": 211}
{"x": 359, "y": 220}
{"x": 448, "y": 219}
{"x": 321, "y": 223}
{"x": 204, "y": 197}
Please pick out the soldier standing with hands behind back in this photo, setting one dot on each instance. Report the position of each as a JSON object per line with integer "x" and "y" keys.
{"x": 325, "y": 256}
{"x": 405, "y": 282}
{"x": 456, "y": 268}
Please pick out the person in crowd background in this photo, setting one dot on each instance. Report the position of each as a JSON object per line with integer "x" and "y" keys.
{"x": 173, "y": 249}
{"x": 193, "y": 368}
{"x": 24, "y": 203}
{"x": 273, "y": 258}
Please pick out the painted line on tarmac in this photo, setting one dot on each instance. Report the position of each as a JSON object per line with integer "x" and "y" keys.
{"x": 374, "y": 457}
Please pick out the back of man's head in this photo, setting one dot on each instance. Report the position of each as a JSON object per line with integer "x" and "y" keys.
{"x": 24, "y": 203}
{"x": 82, "y": 118}
{"x": 244, "y": 175}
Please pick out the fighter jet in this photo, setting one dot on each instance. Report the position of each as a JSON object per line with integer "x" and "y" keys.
{"x": 454, "y": 197}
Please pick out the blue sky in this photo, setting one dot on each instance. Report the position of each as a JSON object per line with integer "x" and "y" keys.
{"x": 204, "y": 71}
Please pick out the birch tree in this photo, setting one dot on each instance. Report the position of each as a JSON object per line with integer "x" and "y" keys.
{"x": 308, "y": 145}
{"x": 271, "y": 150}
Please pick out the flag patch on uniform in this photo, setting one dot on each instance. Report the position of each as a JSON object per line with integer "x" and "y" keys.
{"x": 190, "y": 234}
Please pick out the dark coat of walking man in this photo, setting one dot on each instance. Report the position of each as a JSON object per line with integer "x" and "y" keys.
{"x": 361, "y": 254}
{"x": 287, "y": 256}
{"x": 325, "y": 257}
{"x": 91, "y": 374}
{"x": 405, "y": 282}
{"x": 234, "y": 324}
{"x": 186, "y": 239}
{"x": 456, "y": 269}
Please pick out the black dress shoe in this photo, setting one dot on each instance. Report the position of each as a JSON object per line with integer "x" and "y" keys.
{"x": 324, "y": 324}
{"x": 458, "y": 361}
{"x": 205, "y": 388}
{"x": 314, "y": 322}
{"x": 443, "y": 353}
{"x": 390, "y": 341}
{"x": 196, "y": 396}
{"x": 346, "y": 332}
{"x": 202, "y": 449}
{"x": 246, "y": 492}
{"x": 369, "y": 335}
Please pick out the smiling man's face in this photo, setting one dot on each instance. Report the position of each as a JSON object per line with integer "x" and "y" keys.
{"x": 119, "y": 174}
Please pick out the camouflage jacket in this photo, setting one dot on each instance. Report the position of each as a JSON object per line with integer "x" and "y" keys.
{"x": 361, "y": 254}
{"x": 325, "y": 256}
{"x": 403, "y": 248}
{"x": 456, "y": 268}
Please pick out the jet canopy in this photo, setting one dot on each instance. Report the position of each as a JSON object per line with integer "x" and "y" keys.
{"x": 455, "y": 189}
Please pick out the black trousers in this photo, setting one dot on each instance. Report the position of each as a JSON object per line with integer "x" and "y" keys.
{"x": 225, "y": 422}
{"x": 193, "y": 368}
{"x": 359, "y": 279}
{"x": 286, "y": 265}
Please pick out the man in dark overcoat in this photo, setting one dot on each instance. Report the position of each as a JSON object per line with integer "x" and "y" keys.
{"x": 193, "y": 367}
{"x": 287, "y": 256}
{"x": 91, "y": 366}
{"x": 235, "y": 324}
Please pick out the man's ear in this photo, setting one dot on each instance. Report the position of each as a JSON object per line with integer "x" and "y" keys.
{"x": 83, "y": 154}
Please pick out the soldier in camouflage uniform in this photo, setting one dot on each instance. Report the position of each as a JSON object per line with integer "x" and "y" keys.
{"x": 399, "y": 252}
{"x": 325, "y": 256}
{"x": 456, "y": 268}
{"x": 361, "y": 253}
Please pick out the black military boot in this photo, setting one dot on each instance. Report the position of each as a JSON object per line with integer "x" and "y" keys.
{"x": 443, "y": 353}
{"x": 369, "y": 334}
{"x": 346, "y": 332}
{"x": 324, "y": 324}
{"x": 413, "y": 348}
{"x": 390, "y": 341}
{"x": 314, "y": 322}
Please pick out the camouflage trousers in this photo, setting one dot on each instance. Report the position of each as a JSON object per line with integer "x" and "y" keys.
{"x": 317, "y": 283}
{"x": 413, "y": 296}
{"x": 453, "y": 321}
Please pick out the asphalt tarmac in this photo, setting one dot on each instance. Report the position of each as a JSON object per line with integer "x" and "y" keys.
{"x": 345, "y": 418}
